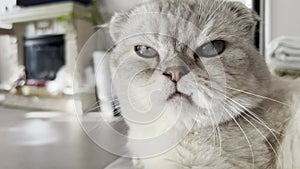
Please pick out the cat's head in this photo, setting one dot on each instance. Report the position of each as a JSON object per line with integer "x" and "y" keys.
{"x": 197, "y": 56}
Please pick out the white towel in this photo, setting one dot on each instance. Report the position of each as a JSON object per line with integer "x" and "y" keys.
{"x": 284, "y": 52}
{"x": 291, "y": 42}
{"x": 287, "y": 54}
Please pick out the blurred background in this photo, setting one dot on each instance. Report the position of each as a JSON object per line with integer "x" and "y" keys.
{"x": 52, "y": 95}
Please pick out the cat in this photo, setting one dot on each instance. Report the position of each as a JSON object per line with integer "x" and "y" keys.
{"x": 195, "y": 92}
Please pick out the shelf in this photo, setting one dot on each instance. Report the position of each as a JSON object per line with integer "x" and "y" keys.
{"x": 40, "y": 12}
{"x": 5, "y": 26}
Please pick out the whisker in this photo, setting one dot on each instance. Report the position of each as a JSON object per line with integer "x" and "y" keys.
{"x": 256, "y": 95}
{"x": 253, "y": 115}
{"x": 218, "y": 134}
{"x": 213, "y": 124}
{"x": 259, "y": 131}
{"x": 244, "y": 133}
{"x": 261, "y": 121}
{"x": 256, "y": 119}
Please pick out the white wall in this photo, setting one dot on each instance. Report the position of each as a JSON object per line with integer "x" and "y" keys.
{"x": 282, "y": 18}
{"x": 246, "y": 2}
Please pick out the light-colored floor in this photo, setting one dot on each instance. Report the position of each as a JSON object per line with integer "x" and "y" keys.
{"x": 33, "y": 140}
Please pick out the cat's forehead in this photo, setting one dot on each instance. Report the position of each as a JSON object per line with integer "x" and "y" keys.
{"x": 186, "y": 20}
{"x": 177, "y": 15}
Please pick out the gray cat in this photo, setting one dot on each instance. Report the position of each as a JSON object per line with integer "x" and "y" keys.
{"x": 196, "y": 93}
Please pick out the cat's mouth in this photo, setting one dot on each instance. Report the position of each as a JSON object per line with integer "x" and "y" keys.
{"x": 178, "y": 94}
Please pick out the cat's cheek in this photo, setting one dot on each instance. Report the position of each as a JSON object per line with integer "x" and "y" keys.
{"x": 150, "y": 94}
{"x": 236, "y": 60}
{"x": 201, "y": 99}
{"x": 146, "y": 99}
{"x": 200, "y": 96}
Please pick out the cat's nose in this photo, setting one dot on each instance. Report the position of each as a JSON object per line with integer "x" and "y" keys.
{"x": 176, "y": 72}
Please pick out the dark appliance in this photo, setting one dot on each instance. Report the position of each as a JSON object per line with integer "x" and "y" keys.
{"x": 39, "y": 2}
{"x": 43, "y": 56}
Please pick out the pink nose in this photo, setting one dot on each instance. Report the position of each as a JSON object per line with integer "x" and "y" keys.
{"x": 176, "y": 72}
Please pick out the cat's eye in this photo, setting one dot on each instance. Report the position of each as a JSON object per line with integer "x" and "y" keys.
{"x": 145, "y": 51}
{"x": 211, "y": 49}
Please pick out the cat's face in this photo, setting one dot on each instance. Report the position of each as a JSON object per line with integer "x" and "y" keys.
{"x": 195, "y": 56}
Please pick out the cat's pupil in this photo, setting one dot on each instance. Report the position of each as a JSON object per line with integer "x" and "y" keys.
{"x": 145, "y": 51}
{"x": 211, "y": 49}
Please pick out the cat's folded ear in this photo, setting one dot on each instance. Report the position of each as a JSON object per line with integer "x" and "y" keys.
{"x": 116, "y": 25}
{"x": 117, "y": 22}
{"x": 246, "y": 16}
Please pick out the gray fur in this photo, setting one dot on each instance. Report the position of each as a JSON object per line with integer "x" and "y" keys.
{"x": 176, "y": 29}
